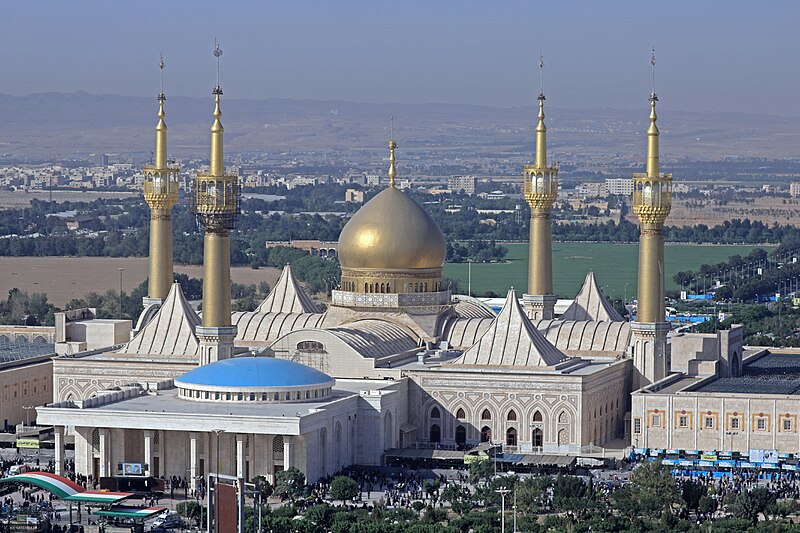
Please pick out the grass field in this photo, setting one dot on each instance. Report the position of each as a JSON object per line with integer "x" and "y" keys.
{"x": 614, "y": 266}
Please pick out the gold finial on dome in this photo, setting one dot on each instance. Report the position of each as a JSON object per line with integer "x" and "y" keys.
{"x": 392, "y": 146}
{"x": 652, "y": 131}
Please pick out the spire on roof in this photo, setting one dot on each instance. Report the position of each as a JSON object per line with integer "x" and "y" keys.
{"x": 392, "y": 146}
{"x": 511, "y": 340}
{"x": 287, "y": 296}
{"x": 170, "y": 331}
{"x": 591, "y": 305}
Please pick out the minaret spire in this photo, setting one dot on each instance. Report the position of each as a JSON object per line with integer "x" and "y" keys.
{"x": 216, "y": 159}
{"x": 161, "y": 193}
{"x": 652, "y": 201}
{"x": 540, "y": 189}
{"x": 216, "y": 200}
{"x": 652, "y": 131}
{"x": 541, "y": 129}
{"x": 392, "y": 146}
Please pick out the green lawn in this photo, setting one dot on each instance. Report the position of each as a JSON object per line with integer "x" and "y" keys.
{"x": 614, "y": 265}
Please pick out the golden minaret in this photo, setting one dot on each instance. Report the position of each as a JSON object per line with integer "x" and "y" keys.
{"x": 541, "y": 190}
{"x": 652, "y": 200}
{"x": 216, "y": 197}
{"x": 161, "y": 193}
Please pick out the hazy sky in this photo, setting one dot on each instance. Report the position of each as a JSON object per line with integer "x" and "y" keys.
{"x": 712, "y": 55}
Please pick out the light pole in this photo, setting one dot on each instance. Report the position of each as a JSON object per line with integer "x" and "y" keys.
{"x": 27, "y": 414}
{"x": 502, "y": 493}
{"x": 121, "y": 270}
{"x": 216, "y": 479}
{"x": 469, "y": 277}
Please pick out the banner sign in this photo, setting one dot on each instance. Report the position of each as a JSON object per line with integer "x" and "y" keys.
{"x": 28, "y": 443}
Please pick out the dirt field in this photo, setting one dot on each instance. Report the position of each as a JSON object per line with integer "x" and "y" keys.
{"x": 64, "y": 278}
{"x": 17, "y": 199}
{"x": 768, "y": 210}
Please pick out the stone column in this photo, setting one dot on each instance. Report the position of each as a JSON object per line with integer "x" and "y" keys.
{"x": 58, "y": 432}
{"x": 148, "y": 452}
{"x": 240, "y": 455}
{"x": 193, "y": 460}
{"x": 105, "y": 453}
{"x": 287, "y": 452}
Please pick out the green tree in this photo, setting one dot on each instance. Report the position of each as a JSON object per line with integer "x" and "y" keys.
{"x": 692, "y": 492}
{"x": 344, "y": 488}
{"x": 750, "y": 504}
{"x": 569, "y": 493}
{"x": 290, "y": 483}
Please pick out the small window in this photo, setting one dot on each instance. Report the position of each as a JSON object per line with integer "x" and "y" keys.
{"x": 308, "y": 394}
{"x": 787, "y": 424}
{"x": 683, "y": 421}
{"x": 512, "y": 416}
{"x": 240, "y": 396}
{"x": 288, "y": 396}
{"x": 276, "y": 397}
{"x": 316, "y": 393}
{"x": 735, "y": 422}
{"x": 263, "y": 396}
{"x": 460, "y": 414}
{"x": 761, "y": 424}
{"x": 228, "y": 396}
{"x": 252, "y": 396}
{"x": 435, "y": 413}
{"x": 709, "y": 422}
{"x": 656, "y": 421}
{"x": 216, "y": 396}
{"x": 206, "y": 395}
{"x": 486, "y": 415}
{"x": 637, "y": 426}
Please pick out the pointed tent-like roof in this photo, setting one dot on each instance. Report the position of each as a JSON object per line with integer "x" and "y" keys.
{"x": 287, "y": 296}
{"x": 511, "y": 340}
{"x": 591, "y": 305}
{"x": 171, "y": 330}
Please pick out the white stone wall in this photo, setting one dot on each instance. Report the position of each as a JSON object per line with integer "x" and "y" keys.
{"x": 680, "y": 422}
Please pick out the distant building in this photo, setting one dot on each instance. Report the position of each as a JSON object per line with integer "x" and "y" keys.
{"x": 26, "y": 372}
{"x": 373, "y": 180}
{"x": 593, "y": 188}
{"x": 619, "y": 186}
{"x": 465, "y": 183}
{"x": 794, "y": 189}
{"x": 354, "y": 195}
{"x": 325, "y": 249}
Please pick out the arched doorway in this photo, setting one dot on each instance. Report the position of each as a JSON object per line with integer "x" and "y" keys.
{"x": 511, "y": 437}
{"x": 323, "y": 456}
{"x": 436, "y": 433}
{"x": 563, "y": 437}
{"x": 461, "y": 435}
{"x": 537, "y": 438}
{"x": 486, "y": 434}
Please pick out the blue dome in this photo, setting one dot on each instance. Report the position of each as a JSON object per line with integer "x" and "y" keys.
{"x": 254, "y": 372}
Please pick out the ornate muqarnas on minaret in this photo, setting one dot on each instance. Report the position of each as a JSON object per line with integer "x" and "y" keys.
{"x": 161, "y": 193}
{"x": 541, "y": 190}
{"x": 652, "y": 200}
{"x": 216, "y": 201}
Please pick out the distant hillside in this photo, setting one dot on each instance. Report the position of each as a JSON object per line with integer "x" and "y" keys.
{"x": 53, "y": 124}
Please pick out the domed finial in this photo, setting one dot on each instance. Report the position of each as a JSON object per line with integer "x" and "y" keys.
{"x": 392, "y": 146}
{"x": 217, "y": 53}
{"x": 161, "y": 65}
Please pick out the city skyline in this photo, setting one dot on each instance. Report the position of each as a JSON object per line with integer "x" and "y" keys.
{"x": 596, "y": 56}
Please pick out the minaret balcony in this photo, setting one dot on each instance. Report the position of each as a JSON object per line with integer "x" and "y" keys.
{"x": 161, "y": 187}
{"x": 541, "y": 186}
{"x": 652, "y": 197}
{"x": 216, "y": 201}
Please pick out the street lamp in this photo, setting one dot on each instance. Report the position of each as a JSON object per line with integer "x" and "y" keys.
{"x": 121, "y": 270}
{"x": 27, "y": 414}
{"x": 216, "y": 479}
{"x": 502, "y": 493}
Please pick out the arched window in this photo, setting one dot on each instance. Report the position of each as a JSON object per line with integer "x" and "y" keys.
{"x": 512, "y": 416}
{"x": 486, "y": 415}
{"x": 436, "y": 433}
{"x": 277, "y": 447}
{"x": 537, "y": 416}
{"x": 538, "y": 438}
{"x": 563, "y": 418}
{"x": 511, "y": 437}
{"x": 486, "y": 434}
{"x": 460, "y": 414}
{"x": 461, "y": 435}
{"x": 435, "y": 413}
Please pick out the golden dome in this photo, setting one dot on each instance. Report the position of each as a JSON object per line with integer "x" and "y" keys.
{"x": 391, "y": 232}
